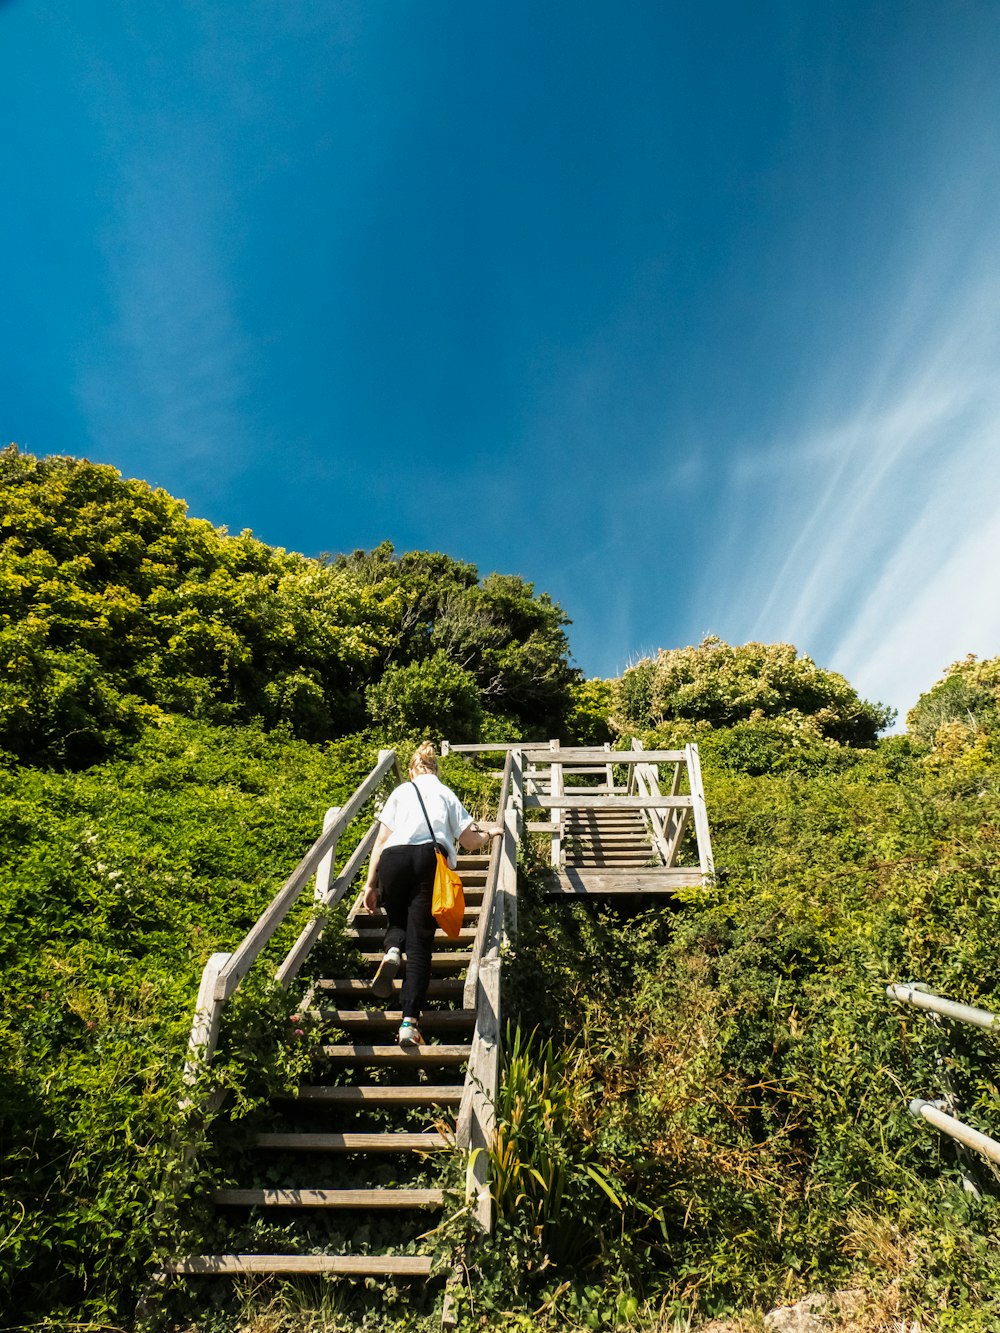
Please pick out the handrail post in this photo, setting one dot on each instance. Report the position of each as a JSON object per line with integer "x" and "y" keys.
{"x": 324, "y": 870}
{"x": 556, "y": 815}
{"x": 699, "y": 809}
{"x": 205, "y": 1025}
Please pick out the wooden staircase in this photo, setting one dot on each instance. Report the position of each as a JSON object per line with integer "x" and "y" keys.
{"x": 362, "y": 1078}
{"x": 619, "y": 822}
{"x": 358, "y": 1150}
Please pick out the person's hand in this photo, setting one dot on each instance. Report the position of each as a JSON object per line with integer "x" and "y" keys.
{"x": 370, "y": 898}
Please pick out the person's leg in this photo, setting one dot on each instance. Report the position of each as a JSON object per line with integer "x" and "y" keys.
{"x": 420, "y": 928}
{"x": 395, "y": 877}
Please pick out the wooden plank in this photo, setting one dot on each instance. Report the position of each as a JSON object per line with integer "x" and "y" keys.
{"x": 431, "y": 1020}
{"x": 205, "y": 1026}
{"x": 556, "y": 789}
{"x": 418, "y": 1094}
{"x": 388, "y": 1198}
{"x": 332, "y": 895}
{"x": 577, "y": 882}
{"x": 700, "y": 810}
{"x": 570, "y": 756}
{"x": 387, "y": 1143}
{"x": 441, "y": 940}
{"x": 440, "y": 962}
{"x": 439, "y": 988}
{"x": 346, "y": 1265}
{"x": 397, "y": 1055}
{"x": 607, "y": 802}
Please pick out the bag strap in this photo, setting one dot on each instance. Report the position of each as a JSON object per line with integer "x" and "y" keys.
{"x": 429, "y": 824}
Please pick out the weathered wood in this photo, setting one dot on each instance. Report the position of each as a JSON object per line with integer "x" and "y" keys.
{"x": 483, "y": 1080}
{"x": 324, "y": 871}
{"x": 570, "y": 756}
{"x": 271, "y": 918}
{"x": 345, "y": 1265}
{"x": 463, "y": 939}
{"x": 205, "y": 1027}
{"x": 700, "y": 810}
{"x": 556, "y": 790}
{"x": 332, "y": 895}
{"x": 417, "y": 1094}
{"x": 396, "y": 1141}
{"x": 585, "y": 882}
{"x": 489, "y": 892}
{"x": 608, "y": 802}
{"x": 387, "y": 1198}
{"x": 439, "y": 988}
{"x": 440, "y": 962}
{"x": 397, "y": 1055}
{"x": 431, "y": 1020}
{"x": 538, "y": 752}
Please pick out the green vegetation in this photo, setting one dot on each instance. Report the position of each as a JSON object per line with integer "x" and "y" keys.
{"x": 704, "y": 1108}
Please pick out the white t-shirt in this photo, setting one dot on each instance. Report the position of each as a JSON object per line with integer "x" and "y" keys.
{"x": 403, "y": 816}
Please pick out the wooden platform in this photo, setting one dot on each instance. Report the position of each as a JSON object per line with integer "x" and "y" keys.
{"x": 576, "y": 882}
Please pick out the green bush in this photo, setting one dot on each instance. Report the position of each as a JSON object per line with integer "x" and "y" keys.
{"x": 430, "y": 698}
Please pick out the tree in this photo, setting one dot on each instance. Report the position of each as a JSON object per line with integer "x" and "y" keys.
{"x": 961, "y": 707}
{"x": 435, "y": 698}
{"x": 718, "y": 685}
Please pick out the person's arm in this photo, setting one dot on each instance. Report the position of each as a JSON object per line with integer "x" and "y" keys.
{"x": 477, "y": 836}
{"x": 370, "y": 899}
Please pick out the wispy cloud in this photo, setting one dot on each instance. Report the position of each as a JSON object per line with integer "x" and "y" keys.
{"x": 891, "y": 515}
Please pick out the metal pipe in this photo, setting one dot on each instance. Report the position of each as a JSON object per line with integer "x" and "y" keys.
{"x": 936, "y": 1004}
{"x": 956, "y": 1129}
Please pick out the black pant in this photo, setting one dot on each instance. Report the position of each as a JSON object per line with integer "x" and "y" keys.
{"x": 406, "y": 881}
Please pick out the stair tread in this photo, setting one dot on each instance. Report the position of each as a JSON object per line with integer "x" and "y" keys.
{"x": 441, "y": 1053}
{"x": 403, "y": 1265}
{"x": 415, "y": 1094}
{"x": 438, "y": 988}
{"x": 391, "y": 1141}
{"x": 430, "y": 1019}
{"x": 325, "y": 1198}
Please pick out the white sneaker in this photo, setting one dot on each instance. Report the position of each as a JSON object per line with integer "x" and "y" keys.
{"x": 409, "y": 1033}
{"x": 386, "y": 974}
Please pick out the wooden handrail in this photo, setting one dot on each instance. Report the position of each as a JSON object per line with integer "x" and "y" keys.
{"x": 489, "y": 892}
{"x": 327, "y": 899}
{"x": 576, "y": 801}
{"x": 477, "y": 1113}
{"x": 274, "y": 914}
{"x": 699, "y": 810}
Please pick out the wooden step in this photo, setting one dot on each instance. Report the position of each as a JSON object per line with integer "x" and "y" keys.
{"x": 379, "y": 920}
{"x": 433, "y": 1141}
{"x": 397, "y": 1055}
{"x": 576, "y": 881}
{"x": 411, "y": 1094}
{"x": 440, "y": 962}
{"x": 438, "y": 988}
{"x": 612, "y": 862}
{"x": 345, "y": 1265}
{"x": 390, "y": 1198}
{"x": 432, "y": 1020}
{"x": 441, "y": 940}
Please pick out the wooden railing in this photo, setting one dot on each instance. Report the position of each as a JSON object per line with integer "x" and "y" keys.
{"x": 224, "y": 971}
{"x": 497, "y": 923}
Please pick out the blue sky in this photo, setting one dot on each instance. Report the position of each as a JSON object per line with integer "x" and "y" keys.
{"x": 687, "y": 312}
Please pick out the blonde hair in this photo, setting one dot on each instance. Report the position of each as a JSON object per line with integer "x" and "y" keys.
{"x": 424, "y": 759}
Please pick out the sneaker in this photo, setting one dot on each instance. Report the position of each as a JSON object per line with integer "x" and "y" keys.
{"x": 409, "y": 1033}
{"x": 386, "y": 974}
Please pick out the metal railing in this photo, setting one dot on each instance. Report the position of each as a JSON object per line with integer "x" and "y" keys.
{"x": 941, "y": 1113}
